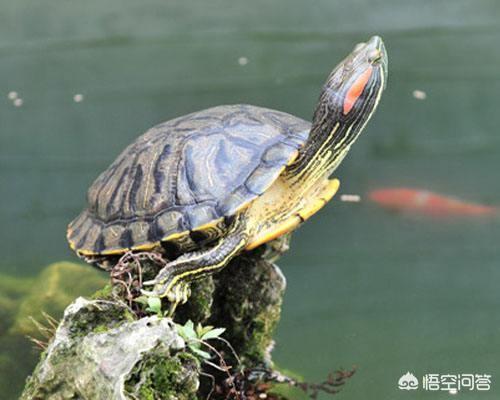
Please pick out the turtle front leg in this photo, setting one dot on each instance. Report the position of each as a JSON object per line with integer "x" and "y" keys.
{"x": 173, "y": 280}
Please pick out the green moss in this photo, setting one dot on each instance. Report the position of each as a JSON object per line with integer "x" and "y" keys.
{"x": 99, "y": 319}
{"x": 106, "y": 293}
{"x": 263, "y": 327}
{"x": 12, "y": 290}
{"x": 160, "y": 376}
{"x": 199, "y": 306}
{"x": 250, "y": 319}
{"x": 100, "y": 329}
{"x": 35, "y": 390}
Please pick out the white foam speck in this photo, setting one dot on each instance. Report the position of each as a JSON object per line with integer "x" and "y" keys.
{"x": 350, "y": 198}
{"x": 419, "y": 94}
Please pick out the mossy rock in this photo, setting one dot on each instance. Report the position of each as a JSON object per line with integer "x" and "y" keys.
{"x": 247, "y": 302}
{"x": 52, "y": 291}
{"x": 199, "y": 306}
{"x": 102, "y": 350}
{"x": 83, "y": 361}
{"x": 162, "y": 376}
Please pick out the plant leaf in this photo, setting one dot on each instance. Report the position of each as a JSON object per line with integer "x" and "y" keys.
{"x": 199, "y": 330}
{"x": 141, "y": 300}
{"x": 199, "y": 352}
{"x": 180, "y": 331}
{"x": 213, "y": 333}
{"x": 204, "y": 330}
{"x": 189, "y": 330}
{"x": 154, "y": 305}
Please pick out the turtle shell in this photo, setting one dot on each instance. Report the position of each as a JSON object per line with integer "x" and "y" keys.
{"x": 184, "y": 174}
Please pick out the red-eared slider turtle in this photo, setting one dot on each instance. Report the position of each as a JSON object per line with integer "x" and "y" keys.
{"x": 214, "y": 183}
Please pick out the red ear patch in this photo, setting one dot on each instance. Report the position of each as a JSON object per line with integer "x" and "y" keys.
{"x": 356, "y": 89}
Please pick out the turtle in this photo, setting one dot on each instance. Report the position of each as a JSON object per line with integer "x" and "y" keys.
{"x": 205, "y": 187}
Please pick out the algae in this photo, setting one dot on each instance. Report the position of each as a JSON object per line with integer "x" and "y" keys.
{"x": 52, "y": 291}
{"x": 12, "y": 290}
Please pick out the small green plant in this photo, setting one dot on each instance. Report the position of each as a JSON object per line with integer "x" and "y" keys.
{"x": 153, "y": 305}
{"x": 196, "y": 337}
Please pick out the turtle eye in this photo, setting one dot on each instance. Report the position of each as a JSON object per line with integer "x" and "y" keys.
{"x": 374, "y": 56}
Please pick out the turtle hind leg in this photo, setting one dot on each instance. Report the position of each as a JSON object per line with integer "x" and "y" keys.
{"x": 173, "y": 280}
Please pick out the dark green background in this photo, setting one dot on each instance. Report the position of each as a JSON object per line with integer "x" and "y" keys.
{"x": 388, "y": 293}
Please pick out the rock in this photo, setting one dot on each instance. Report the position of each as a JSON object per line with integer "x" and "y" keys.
{"x": 228, "y": 300}
{"x": 52, "y": 291}
{"x": 100, "y": 351}
{"x": 103, "y": 349}
{"x": 247, "y": 302}
{"x": 199, "y": 306}
{"x": 164, "y": 376}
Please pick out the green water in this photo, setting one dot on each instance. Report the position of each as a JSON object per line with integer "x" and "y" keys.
{"x": 385, "y": 292}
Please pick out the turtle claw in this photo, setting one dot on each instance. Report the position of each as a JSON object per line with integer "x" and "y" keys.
{"x": 160, "y": 289}
{"x": 165, "y": 286}
{"x": 178, "y": 294}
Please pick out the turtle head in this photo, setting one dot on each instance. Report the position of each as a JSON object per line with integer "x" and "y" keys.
{"x": 348, "y": 100}
{"x": 353, "y": 89}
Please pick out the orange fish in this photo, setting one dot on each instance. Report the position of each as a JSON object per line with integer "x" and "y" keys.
{"x": 427, "y": 203}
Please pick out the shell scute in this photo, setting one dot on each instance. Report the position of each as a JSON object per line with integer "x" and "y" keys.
{"x": 169, "y": 223}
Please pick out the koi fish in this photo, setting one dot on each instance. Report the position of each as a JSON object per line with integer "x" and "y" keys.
{"x": 427, "y": 203}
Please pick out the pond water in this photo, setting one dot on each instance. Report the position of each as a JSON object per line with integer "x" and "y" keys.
{"x": 389, "y": 293}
